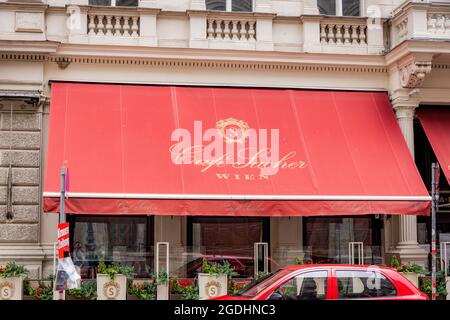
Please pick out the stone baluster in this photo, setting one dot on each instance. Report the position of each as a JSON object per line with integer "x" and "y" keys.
{"x": 117, "y": 27}
{"x": 446, "y": 22}
{"x": 234, "y": 30}
{"x": 439, "y": 24}
{"x": 323, "y": 35}
{"x": 126, "y": 26}
{"x": 100, "y": 25}
{"x": 251, "y": 31}
{"x": 331, "y": 36}
{"x": 109, "y": 25}
{"x": 362, "y": 35}
{"x": 355, "y": 35}
{"x": 339, "y": 34}
{"x": 210, "y": 30}
{"x": 346, "y": 34}
{"x": 134, "y": 27}
{"x": 91, "y": 25}
{"x": 226, "y": 29}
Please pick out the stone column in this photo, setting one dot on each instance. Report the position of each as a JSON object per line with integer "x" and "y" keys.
{"x": 407, "y": 247}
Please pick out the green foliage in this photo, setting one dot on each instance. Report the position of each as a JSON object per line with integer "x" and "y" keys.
{"x": 260, "y": 274}
{"x": 42, "y": 292}
{"x": 441, "y": 290}
{"x": 176, "y": 288}
{"x": 394, "y": 262}
{"x": 11, "y": 269}
{"x": 161, "y": 278}
{"x": 115, "y": 268}
{"x": 144, "y": 291}
{"x": 299, "y": 261}
{"x": 190, "y": 293}
{"x": 232, "y": 287}
{"x": 411, "y": 268}
{"x": 215, "y": 268}
{"x": 87, "y": 290}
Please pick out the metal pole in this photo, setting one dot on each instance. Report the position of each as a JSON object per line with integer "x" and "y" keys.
{"x": 62, "y": 215}
{"x": 434, "y": 204}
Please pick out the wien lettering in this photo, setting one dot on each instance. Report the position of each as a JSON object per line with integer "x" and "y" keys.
{"x": 232, "y": 143}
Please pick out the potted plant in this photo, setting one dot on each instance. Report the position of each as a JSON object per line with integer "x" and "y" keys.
{"x": 299, "y": 261}
{"x": 213, "y": 280}
{"x": 11, "y": 281}
{"x": 162, "y": 285}
{"x": 175, "y": 289}
{"x": 112, "y": 281}
{"x": 42, "y": 291}
{"x": 410, "y": 271}
{"x": 142, "y": 291}
{"x": 190, "y": 292}
{"x": 441, "y": 286}
{"x": 86, "y": 291}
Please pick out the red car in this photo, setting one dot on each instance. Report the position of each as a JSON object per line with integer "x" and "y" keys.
{"x": 330, "y": 282}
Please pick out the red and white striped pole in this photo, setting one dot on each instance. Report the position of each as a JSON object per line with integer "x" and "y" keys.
{"x": 434, "y": 205}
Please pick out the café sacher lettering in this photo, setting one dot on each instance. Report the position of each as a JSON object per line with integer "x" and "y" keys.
{"x": 232, "y": 143}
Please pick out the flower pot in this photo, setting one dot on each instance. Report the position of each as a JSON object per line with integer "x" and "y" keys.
{"x": 69, "y": 297}
{"x": 413, "y": 277}
{"x": 111, "y": 289}
{"x": 132, "y": 297}
{"x": 211, "y": 286}
{"x": 175, "y": 296}
{"x": 30, "y": 298}
{"x": 11, "y": 288}
{"x": 162, "y": 292}
{"x": 447, "y": 285}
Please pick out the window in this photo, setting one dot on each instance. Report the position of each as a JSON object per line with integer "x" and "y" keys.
{"x": 220, "y": 239}
{"x": 230, "y": 5}
{"x": 363, "y": 284}
{"x": 306, "y": 286}
{"x": 114, "y": 3}
{"x": 340, "y": 7}
{"x": 125, "y": 240}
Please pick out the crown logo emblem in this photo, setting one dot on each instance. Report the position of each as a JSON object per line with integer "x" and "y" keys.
{"x": 233, "y": 130}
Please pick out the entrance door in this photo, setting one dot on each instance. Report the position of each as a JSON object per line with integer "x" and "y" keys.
{"x": 327, "y": 239}
{"x": 220, "y": 239}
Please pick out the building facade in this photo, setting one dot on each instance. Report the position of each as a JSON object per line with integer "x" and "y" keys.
{"x": 398, "y": 47}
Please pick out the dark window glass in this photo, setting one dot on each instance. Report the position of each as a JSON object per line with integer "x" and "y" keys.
{"x": 306, "y": 286}
{"x": 216, "y": 5}
{"x": 241, "y": 5}
{"x": 99, "y": 2}
{"x": 125, "y": 240}
{"x": 220, "y": 239}
{"x": 327, "y": 7}
{"x": 351, "y": 8}
{"x": 126, "y": 3}
{"x": 363, "y": 284}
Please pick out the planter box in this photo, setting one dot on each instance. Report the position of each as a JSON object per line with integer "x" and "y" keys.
{"x": 30, "y": 298}
{"x": 212, "y": 286}
{"x": 11, "y": 288}
{"x": 447, "y": 285}
{"x": 115, "y": 289}
{"x": 132, "y": 297}
{"x": 413, "y": 277}
{"x": 68, "y": 297}
{"x": 175, "y": 296}
{"x": 162, "y": 292}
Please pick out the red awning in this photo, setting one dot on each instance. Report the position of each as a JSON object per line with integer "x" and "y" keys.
{"x": 436, "y": 123}
{"x": 175, "y": 151}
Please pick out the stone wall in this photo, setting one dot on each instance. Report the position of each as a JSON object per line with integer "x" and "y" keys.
{"x": 20, "y": 144}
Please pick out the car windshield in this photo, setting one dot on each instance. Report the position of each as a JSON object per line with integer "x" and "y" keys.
{"x": 259, "y": 285}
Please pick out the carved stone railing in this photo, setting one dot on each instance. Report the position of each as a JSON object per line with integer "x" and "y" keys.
{"x": 438, "y": 24}
{"x": 231, "y": 30}
{"x": 421, "y": 21}
{"x": 113, "y": 26}
{"x": 343, "y": 34}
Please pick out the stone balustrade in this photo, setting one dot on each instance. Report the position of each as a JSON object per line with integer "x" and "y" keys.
{"x": 113, "y": 25}
{"x": 234, "y": 30}
{"x": 438, "y": 24}
{"x": 348, "y": 34}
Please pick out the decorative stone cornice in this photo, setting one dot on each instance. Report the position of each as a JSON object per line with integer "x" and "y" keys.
{"x": 413, "y": 74}
{"x": 64, "y": 60}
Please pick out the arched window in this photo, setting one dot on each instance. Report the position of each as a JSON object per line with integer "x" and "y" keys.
{"x": 341, "y": 7}
{"x": 230, "y": 5}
